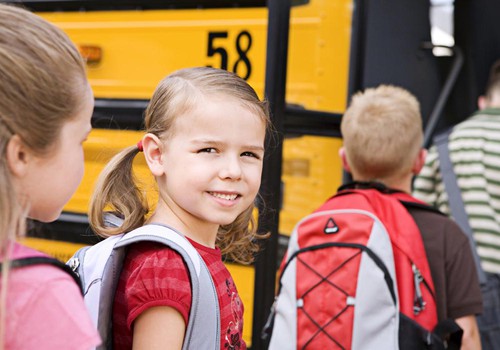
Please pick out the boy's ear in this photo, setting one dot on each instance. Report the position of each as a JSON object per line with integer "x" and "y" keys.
{"x": 419, "y": 162}
{"x": 343, "y": 156}
{"x": 153, "y": 152}
{"x": 18, "y": 156}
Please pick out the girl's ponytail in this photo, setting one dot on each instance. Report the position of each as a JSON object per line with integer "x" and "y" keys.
{"x": 116, "y": 191}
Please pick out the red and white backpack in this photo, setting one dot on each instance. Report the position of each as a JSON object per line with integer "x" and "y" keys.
{"x": 356, "y": 276}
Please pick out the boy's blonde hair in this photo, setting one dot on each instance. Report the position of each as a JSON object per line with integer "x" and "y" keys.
{"x": 382, "y": 133}
{"x": 179, "y": 92}
{"x": 42, "y": 81}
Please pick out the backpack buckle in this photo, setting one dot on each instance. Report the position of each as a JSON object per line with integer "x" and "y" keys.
{"x": 74, "y": 263}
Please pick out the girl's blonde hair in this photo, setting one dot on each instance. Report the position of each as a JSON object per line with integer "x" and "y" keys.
{"x": 116, "y": 188}
{"x": 382, "y": 132}
{"x": 42, "y": 79}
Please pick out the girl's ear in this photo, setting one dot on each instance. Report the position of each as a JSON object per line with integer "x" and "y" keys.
{"x": 153, "y": 152}
{"x": 18, "y": 157}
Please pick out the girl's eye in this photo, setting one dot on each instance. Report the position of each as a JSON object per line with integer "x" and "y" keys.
{"x": 207, "y": 150}
{"x": 250, "y": 154}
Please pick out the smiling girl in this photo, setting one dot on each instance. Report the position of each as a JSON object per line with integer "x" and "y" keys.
{"x": 204, "y": 144}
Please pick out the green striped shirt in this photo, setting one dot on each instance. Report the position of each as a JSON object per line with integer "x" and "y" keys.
{"x": 475, "y": 153}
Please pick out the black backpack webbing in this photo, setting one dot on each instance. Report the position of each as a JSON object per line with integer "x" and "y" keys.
{"x": 37, "y": 260}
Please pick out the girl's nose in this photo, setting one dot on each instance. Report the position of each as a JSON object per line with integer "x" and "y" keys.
{"x": 231, "y": 169}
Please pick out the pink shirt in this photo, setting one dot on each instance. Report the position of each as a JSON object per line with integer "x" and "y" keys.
{"x": 45, "y": 309}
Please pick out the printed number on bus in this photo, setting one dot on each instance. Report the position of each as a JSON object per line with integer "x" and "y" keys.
{"x": 217, "y": 45}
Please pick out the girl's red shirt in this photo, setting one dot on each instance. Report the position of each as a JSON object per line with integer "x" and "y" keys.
{"x": 155, "y": 275}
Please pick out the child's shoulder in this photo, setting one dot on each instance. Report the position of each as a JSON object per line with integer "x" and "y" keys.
{"x": 436, "y": 224}
{"x": 147, "y": 254}
{"x": 20, "y": 251}
{"x": 46, "y": 298}
{"x": 151, "y": 269}
{"x": 37, "y": 273}
{"x": 40, "y": 281}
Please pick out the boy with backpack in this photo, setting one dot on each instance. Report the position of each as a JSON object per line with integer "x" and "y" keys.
{"x": 373, "y": 230}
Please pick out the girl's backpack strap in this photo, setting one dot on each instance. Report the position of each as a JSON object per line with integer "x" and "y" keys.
{"x": 39, "y": 260}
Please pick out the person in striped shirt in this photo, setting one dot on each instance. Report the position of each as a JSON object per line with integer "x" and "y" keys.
{"x": 474, "y": 147}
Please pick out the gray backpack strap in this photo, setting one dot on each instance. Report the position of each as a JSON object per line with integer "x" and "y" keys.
{"x": 455, "y": 201}
{"x": 203, "y": 329}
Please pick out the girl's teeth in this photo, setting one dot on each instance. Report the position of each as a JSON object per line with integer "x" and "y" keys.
{"x": 229, "y": 197}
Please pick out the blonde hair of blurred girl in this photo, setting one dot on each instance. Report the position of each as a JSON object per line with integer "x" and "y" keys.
{"x": 176, "y": 94}
{"x": 42, "y": 79}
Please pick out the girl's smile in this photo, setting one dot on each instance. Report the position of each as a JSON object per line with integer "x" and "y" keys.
{"x": 225, "y": 196}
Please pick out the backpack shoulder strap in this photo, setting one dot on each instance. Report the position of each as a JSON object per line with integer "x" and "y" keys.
{"x": 203, "y": 329}
{"x": 455, "y": 201}
{"x": 45, "y": 260}
{"x": 407, "y": 200}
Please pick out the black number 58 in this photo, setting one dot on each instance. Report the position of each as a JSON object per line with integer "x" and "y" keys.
{"x": 243, "y": 44}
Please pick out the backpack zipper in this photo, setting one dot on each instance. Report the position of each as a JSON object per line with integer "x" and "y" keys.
{"x": 268, "y": 327}
{"x": 419, "y": 302}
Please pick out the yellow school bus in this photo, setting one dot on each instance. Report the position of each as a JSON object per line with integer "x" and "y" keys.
{"x": 131, "y": 45}
{"x": 336, "y": 47}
